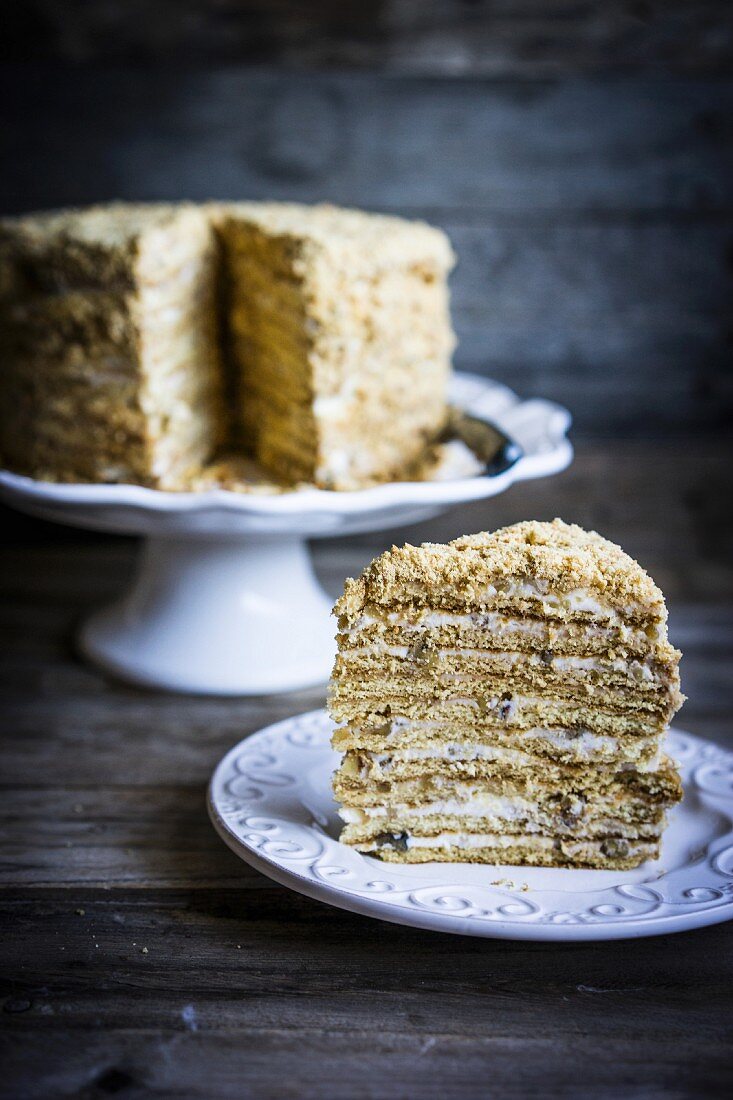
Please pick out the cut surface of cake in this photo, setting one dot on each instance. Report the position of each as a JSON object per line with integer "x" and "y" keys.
{"x": 504, "y": 699}
{"x": 144, "y": 343}
{"x": 339, "y": 336}
{"x": 109, "y": 337}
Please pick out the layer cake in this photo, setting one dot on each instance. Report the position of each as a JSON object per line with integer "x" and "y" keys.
{"x": 504, "y": 699}
{"x": 143, "y": 343}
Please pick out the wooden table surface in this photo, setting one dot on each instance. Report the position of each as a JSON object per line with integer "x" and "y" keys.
{"x": 141, "y": 957}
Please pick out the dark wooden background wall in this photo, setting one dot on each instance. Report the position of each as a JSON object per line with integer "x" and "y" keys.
{"x": 579, "y": 155}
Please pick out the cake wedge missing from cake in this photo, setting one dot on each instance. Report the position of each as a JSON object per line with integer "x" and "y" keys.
{"x": 504, "y": 699}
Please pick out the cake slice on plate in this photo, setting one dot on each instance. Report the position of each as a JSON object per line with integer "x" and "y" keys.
{"x": 504, "y": 699}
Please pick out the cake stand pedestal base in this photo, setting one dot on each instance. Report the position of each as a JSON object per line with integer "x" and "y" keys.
{"x": 217, "y": 616}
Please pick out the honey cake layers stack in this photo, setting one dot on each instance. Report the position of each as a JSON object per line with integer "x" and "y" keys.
{"x": 137, "y": 340}
{"x": 109, "y": 334}
{"x": 503, "y": 699}
{"x": 339, "y": 338}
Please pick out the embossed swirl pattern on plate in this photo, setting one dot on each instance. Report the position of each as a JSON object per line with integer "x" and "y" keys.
{"x": 264, "y": 793}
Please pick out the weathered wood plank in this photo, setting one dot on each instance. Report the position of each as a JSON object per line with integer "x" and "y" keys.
{"x": 117, "y": 736}
{"x": 592, "y": 221}
{"x": 242, "y": 945}
{"x": 343, "y": 1003}
{"x": 521, "y": 39}
{"x": 624, "y": 324}
{"x": 334, "y": 1066}
{"x": 556, "y": 37}
{"x": 112, "y": 836}
{"x": 557, "y": 149}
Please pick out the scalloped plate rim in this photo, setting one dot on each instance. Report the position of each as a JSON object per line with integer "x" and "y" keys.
{"x": 392, "y": 912}
{"x": 310, "y": 500}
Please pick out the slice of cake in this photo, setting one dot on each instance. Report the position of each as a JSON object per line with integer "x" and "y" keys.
{"x": 504, "y": 699}
{"x": 340, "y": 339}
{"x": 108, "y": 329}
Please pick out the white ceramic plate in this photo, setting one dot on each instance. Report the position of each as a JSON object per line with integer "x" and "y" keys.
{"x": 270, "y": 801}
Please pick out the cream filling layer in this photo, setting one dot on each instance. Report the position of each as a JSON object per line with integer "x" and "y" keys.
{"x": 581, "y": 600}
{"x": 447, "y": 753}
{"x": 504, "y": 808}
{"x": 577, "y": 599}
{"x": 562, "y": 738}
{"x": 585, "y": 746}
{"x": 503, "y": 841}
{"x": 500, "y": 624}
{"x": 477, "y": 805}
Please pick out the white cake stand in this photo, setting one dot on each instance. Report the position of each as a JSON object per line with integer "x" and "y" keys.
{"x": 225, "y": 600}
